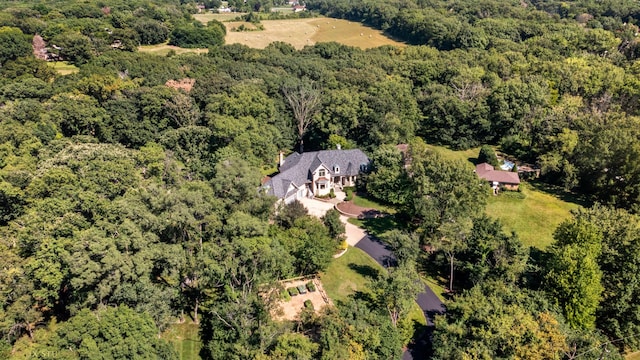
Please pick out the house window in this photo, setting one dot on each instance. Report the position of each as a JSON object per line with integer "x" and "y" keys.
{"x": 336, "y": 169}
{"x": 321, "y": 172}
{"x": 322, "y": 186}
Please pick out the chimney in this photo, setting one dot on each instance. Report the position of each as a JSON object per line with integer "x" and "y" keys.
{"x": 338, "y": 146}
{"x": 281, "y": 158}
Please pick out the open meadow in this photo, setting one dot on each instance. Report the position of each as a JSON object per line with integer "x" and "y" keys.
{"x": 297, "y": 32}
{"x": 302, "y": 32}
{"x": 163, "y": 49}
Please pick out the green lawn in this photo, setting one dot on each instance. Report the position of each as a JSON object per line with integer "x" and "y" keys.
{"x": 349, "y": 273}
{"x": 185, "y": 340}
{"x": 375, "y": 226}
{"x": 363, "y": 200}
{"x": 467, "y": 156}
{"x": 63, "y": 67}
{"x": 436, "y": 286}
{"x": 534, "y": 218}
{"x": 353, "y": 272}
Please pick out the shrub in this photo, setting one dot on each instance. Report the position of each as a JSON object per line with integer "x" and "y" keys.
{"x": 514, "y": 194}
{"x": 332, "y": 194}
{"x": 349, "y": 191}
{"x": 311, "y": 287}
{"x": 487, "y": 155}
{"x": 308, "y": 304}
{"x": 284, "y": 295}
{"x": 292, "y": 291}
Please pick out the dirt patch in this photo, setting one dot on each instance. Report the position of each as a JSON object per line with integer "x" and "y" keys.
{"x": 290, "y": 310}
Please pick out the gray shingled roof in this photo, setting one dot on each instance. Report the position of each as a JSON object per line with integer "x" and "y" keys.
{"x": 297, "y": 168}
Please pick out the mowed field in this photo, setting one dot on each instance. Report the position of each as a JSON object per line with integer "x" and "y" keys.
{"x": 533, "y": 218}
{"x": 302, "y": 32}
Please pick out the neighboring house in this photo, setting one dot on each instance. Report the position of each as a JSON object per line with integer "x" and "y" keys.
{"x": 299, "y": 8}
{"x": 497, "y": 178}
{"x": 316, "y": 173}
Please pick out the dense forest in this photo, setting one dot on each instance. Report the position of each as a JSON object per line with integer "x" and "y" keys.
{"x": 127, "y": 205}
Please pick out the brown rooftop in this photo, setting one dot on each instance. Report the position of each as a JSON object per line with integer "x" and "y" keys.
{"x": 487, "y": 172}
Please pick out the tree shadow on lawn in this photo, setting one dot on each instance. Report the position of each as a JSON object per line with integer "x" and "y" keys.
{"x": 560, "y": 193}
{"x": 365, "y": 270}
{"x": 380, "y": 225}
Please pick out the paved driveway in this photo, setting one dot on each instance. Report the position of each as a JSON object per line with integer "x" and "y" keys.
{"x": 316, "y": 207}
{"x": 319, "y": 208}
{"x": 427, "y": 300}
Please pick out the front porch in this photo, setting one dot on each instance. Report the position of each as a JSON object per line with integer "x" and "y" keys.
{"x": 323, "y": 186}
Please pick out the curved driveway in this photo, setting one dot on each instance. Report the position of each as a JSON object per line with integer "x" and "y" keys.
{"x": 427, "y": 300}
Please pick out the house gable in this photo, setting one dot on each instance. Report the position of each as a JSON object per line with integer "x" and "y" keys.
{"x": 304, "y": 170}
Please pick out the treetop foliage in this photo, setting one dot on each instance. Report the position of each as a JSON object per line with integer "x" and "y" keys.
{"x": 127, "y": 204}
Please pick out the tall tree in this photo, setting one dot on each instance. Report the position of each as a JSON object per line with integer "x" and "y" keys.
{"x": 305, "y": 100}
{"x": 573, "y": 277}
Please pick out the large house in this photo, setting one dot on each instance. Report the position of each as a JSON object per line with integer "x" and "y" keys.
{"x": 316, "y": 173}
{"x": 498, "y": 178}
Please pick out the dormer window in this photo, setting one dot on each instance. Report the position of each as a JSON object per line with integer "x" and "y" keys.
{"x": 321, "y": 173}
{"x": 336, "y": 169}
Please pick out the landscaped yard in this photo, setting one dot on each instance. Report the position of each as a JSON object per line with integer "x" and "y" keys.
{"x": 185, "y": 340}
{"x": 353, "y": 272}
{"x": 349, "y": 273}
{"x": 363, "y": 200}
{"x": 469, "y": 156}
